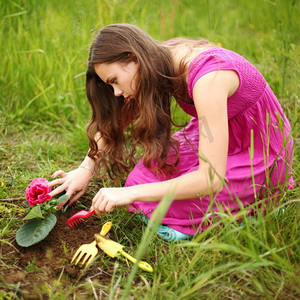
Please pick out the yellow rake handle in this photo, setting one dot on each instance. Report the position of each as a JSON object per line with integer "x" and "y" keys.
{"x": 142, "y": 264}
{"x": 105, "y": 228}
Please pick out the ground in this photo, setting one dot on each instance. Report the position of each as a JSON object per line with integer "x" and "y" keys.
{"x": 48, "y": 262}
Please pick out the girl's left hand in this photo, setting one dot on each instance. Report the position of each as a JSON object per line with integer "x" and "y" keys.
{"x": 108, "y": 198}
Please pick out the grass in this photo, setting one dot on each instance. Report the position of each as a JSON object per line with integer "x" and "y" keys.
{"x": 43, "y": 112}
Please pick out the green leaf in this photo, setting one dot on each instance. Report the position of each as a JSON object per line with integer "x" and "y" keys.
{"x": 63, "y": 198}
{"x": 34, "y": 231}
{"x": 34, "y": 213}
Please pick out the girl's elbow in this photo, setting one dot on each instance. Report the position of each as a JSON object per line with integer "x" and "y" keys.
{"x": 217, "y": 184}
{"x": 215, "y": 181}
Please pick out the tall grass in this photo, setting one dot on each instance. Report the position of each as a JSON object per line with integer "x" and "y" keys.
{"x": 43, "y": 110}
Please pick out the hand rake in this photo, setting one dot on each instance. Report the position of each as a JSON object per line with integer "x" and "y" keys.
{"x": 77, "y": 218}
{"x": 89, "y": 251}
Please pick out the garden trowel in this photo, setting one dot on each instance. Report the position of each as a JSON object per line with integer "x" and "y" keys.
{"x": 114, "y": 249}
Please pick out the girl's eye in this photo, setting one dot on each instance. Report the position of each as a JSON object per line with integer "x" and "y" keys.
{"x": 114, "y": 81}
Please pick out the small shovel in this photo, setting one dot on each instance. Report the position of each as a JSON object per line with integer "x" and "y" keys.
{"x": 113, "y": 249}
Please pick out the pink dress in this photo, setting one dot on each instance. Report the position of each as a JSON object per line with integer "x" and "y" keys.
{"x": 253, "y": 107}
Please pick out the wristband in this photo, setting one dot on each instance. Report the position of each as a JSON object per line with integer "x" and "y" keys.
{"x": 87, "y": 168}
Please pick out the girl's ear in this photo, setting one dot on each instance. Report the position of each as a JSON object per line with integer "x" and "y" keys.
{"x": 132, "y": 57}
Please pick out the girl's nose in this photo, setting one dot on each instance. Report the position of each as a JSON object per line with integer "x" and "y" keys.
{"x": 117, "y": 91}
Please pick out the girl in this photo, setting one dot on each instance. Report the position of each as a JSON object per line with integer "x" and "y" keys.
{"x": 130, "y": 81}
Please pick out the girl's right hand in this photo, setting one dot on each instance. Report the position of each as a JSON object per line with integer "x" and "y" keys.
{"x": 74, "y": 183}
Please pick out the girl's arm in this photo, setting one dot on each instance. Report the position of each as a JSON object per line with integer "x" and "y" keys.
{"x": 210, "y": 95}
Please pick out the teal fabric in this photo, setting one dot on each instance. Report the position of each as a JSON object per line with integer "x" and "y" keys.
{"x": 167, "y": 233}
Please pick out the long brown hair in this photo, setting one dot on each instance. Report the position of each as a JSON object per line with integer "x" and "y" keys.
{"x": 148, "y": 114}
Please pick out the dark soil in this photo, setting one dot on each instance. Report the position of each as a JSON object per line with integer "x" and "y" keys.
{"x": 48, "y": 262}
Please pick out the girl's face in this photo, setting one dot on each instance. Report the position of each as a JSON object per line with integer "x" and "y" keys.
{"x": 121, "y": 76}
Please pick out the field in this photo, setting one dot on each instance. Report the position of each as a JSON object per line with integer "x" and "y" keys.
{"x": 43, "y": 112}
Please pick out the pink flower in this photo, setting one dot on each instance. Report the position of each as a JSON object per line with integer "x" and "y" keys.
{"x": 38, "y": 191}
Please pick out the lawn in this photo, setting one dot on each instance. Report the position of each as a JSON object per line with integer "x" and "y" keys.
{"x": 43, "y": 53}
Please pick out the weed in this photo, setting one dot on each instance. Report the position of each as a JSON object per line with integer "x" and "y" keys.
{"x": 32, "y": 266}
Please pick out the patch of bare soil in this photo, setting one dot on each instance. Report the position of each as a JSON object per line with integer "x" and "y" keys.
{"x": 46, "y": 264}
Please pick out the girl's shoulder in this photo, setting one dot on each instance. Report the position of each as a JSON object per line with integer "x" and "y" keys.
{"x": 221, "y": 59}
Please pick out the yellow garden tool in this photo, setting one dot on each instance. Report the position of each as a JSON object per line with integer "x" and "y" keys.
{"x": 114, "y": 249}
{"x": 89, "y": 251}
